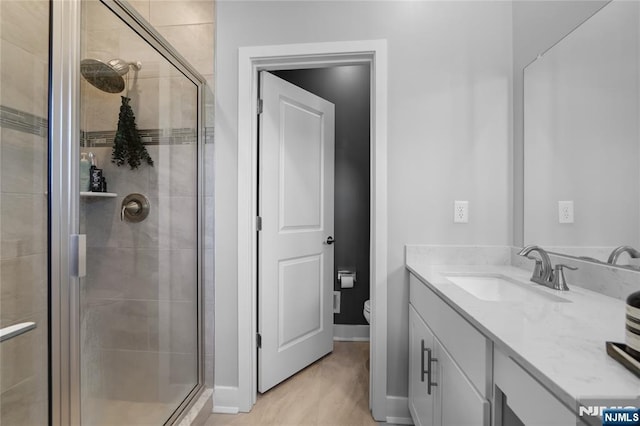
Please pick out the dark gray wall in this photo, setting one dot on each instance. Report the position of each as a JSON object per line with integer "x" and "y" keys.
{"x": 348, "y": 88}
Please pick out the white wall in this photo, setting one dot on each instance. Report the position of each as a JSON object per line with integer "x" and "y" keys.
{"x": 450, "y": 69}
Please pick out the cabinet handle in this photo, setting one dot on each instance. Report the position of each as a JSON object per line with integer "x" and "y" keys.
{"x": 429, "y": 361}
{"x": 422, "y": 370}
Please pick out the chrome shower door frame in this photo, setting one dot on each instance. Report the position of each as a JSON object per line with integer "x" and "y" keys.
{"x": 64, "y": 149}
{"x": 64, "y": 201}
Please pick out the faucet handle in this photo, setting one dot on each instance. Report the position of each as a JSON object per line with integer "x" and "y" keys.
{"x": 559, "y": 280}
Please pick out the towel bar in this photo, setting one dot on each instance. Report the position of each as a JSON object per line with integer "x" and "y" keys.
{"x": 7, "y": 333}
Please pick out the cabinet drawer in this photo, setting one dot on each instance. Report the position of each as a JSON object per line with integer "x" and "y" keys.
{"x": 529, "y": 400}
{"x": 471, "y": 350}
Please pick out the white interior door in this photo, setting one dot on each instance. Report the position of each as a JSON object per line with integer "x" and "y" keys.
{"x": 295, "y": 282}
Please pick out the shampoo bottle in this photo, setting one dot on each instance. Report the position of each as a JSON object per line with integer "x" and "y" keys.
{"x": 85, "y": 165}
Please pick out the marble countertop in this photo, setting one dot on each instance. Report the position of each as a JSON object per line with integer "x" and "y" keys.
{"x": 560, "y": 344}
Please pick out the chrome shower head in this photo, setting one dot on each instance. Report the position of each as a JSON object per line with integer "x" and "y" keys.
{"x": 107, "y": 76}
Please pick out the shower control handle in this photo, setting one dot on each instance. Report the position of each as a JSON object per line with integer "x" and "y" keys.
{"x": 134, "y": 208}
{"x": 131, "y": 207}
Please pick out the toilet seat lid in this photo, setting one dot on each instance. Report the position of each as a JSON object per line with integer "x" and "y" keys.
{"x": 367, "y": 306}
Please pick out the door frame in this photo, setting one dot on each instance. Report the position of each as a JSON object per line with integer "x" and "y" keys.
{"x": 251, "y": 60}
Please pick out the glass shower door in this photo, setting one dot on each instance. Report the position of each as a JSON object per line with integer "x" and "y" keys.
{"x": 139, "y": 305}
{"x": 24, "y": 69}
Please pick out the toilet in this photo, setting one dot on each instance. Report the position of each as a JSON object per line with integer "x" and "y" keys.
{"x": 367, "y": 311}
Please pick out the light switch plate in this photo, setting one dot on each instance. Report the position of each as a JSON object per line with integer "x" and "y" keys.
{"x": 461, "y": 211}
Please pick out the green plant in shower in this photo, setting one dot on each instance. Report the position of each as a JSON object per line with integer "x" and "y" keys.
{"x": 127, "y": 145}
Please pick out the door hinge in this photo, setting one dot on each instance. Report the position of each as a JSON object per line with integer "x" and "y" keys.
{"x": 259, "y": 340}
{"x": 260, "y": 106}
{"x": 258, "y": 223}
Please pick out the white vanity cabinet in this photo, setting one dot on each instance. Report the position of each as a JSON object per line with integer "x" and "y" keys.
{"x": 421, "y": 398}
{"x": 460, "y": 369}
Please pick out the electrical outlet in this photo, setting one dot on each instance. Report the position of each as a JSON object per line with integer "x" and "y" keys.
{"x": 336, "y": 302}
{"x": 565, "y": 211}
{"x": 461, "y": 211}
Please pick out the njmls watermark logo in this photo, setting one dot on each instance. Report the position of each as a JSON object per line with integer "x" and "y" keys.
{"x": 613, "y": 416}
{"x": 607, "y": 412}
{"x": 621, "y": 416}
{"x": 599, "y": 411}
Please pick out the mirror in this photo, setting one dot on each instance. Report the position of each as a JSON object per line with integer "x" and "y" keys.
{"x": 581, "y": 139}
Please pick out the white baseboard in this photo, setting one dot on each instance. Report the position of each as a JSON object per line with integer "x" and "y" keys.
{"x": 351, "y": 333}
{"x": 225, "y": 399}
{"x": 399, "y": 421}
{"x": 398, "y": 410}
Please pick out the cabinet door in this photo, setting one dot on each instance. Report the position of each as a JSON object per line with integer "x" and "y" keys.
{"x": 460, "y": 403}
{"x": 421, "y": 403}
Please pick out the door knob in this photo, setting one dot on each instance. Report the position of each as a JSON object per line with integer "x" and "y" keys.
{"x": 330, "y": 240}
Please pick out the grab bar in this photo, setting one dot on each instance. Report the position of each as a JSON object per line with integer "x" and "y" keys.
{"x": 11, "y": 331}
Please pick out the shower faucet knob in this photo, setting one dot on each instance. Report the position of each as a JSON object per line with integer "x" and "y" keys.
{"x": 135, "y": 208}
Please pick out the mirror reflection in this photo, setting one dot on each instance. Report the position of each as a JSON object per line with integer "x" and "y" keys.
{"x": 582, "y": 148}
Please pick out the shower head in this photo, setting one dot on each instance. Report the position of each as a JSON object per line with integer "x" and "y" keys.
{"x": 107, "y": 76}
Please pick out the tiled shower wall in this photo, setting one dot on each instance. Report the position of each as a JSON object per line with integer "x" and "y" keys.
{"x": 139, "y": 293}
{"x": 23, "y": 205}
{"x": 189, "y": 26}
{"x": 23, "y": 155}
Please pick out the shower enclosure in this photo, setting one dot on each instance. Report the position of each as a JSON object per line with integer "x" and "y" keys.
{"x": 101, "y": 268}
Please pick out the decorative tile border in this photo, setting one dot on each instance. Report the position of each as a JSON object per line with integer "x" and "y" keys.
{"x": 149, "y": 137}
{"x": 21, "y": 121}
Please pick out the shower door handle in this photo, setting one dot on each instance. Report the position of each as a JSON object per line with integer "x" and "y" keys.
{"x": 79, "y": 255}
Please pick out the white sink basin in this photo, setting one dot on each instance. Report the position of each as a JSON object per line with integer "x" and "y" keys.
{"x": 499, "y": 288}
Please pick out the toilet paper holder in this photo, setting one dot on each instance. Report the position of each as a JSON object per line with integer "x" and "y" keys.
{"x": 346, "y": 273}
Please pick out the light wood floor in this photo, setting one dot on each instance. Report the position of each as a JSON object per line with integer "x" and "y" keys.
{"x": 332, "y": 391}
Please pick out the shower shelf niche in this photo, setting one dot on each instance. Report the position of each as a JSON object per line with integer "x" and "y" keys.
{"x": 88, "y": 194}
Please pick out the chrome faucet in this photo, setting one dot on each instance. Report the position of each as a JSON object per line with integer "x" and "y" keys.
{"x": 615, "y": 254}
{"x": 542, "y": 271}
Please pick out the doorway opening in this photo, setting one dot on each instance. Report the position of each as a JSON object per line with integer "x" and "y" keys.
{"x": 313, "y": 184}
{"x": 298, "y": 56}
{"x": 348, "y": 87}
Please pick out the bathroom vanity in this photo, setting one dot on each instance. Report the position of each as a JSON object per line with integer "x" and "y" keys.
{"x": 488, "y": 347}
